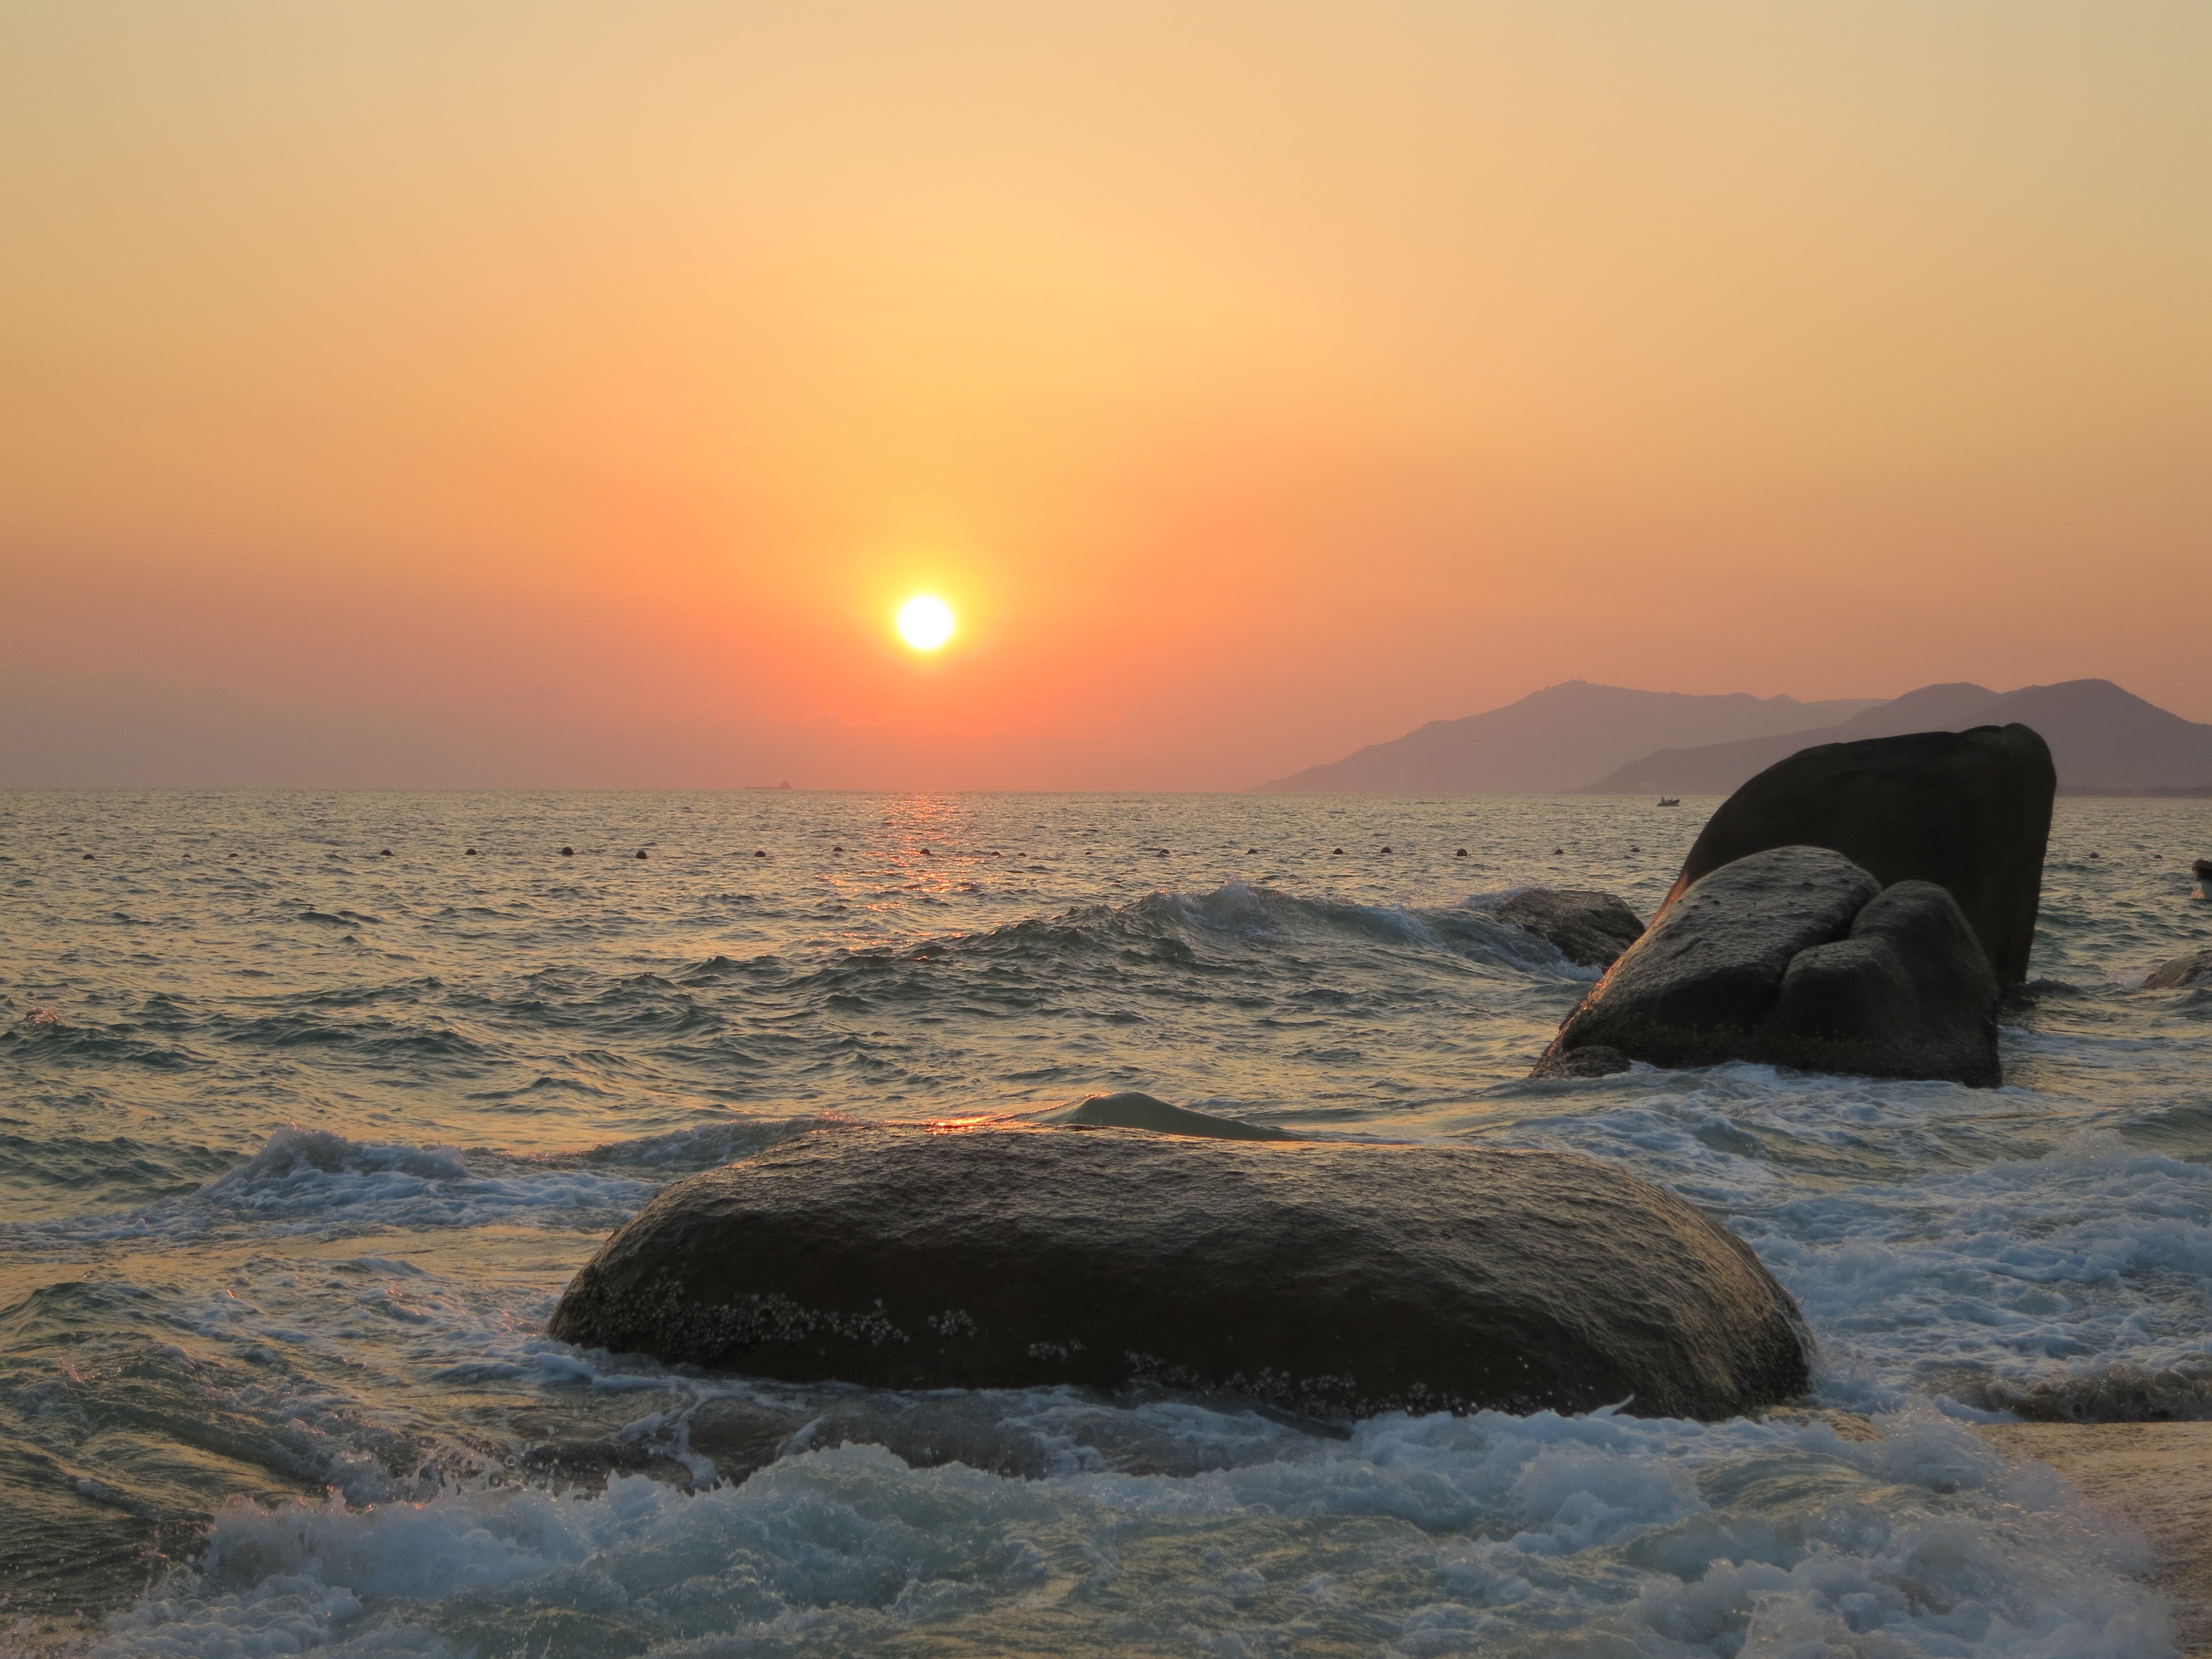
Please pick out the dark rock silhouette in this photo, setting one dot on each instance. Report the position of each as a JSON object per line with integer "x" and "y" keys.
{"x": 1133, "y": 1110}
{"x": 1795, "y": 956}
{"x": 2195, "y": 969}
{"x": 1332, "y": 1281}
{"x": 1589, "y": 928}
{"x": 1969, "y": 810}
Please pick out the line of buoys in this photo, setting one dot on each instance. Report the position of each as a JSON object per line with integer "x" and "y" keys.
{"x": 2201, "y": 869}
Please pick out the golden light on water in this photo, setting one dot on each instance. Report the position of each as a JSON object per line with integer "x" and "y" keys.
{"x": 925, "y": 622}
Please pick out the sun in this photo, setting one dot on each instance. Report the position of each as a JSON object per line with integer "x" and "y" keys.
{"x": 925, "y": 622}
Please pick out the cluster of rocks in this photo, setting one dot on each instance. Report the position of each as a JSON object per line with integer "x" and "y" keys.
{"x": 1859, "y": 908}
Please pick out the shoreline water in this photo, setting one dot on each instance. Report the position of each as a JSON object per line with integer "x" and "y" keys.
{"x": 2156, "y": 1477}
{"x": 496, "y": 1059}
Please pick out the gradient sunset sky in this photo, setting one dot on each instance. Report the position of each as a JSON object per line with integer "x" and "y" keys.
{"x": 557, "y": 394}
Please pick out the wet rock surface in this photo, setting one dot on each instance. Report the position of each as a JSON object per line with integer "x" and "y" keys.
{"x": 2195, "y": 969}
{"x": 1589, "y": 928}
{"x": 1133, "y": 1110}
{"x": 1327, "y": 1281}
{"x": 1795, "y": 956}
{"x": 1968, "y": 810}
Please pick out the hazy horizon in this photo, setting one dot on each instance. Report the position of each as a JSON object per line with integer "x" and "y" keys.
{"x": 482, "y": 394}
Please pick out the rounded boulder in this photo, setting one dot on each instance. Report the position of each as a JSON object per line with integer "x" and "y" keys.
{"x": 1332, "y": 1282}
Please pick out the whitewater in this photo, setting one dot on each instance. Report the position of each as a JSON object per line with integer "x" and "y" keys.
{"x": 310, "y": 1111}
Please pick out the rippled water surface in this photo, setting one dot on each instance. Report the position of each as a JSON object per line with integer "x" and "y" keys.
{"x": 299, "y": 1142}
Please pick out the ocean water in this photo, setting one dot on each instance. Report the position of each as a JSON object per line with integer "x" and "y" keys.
{"x": 299, "y": 1141}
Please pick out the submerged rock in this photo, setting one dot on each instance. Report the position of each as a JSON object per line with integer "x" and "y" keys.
{"x": 1589, "y": 928}
{"x": 2195, "y": 969}
{"x": 1968, "y": 810}
{"x": 1133, "y": 1110}
{"x": 1332, "y": 1282}
{"x": 1795, "y": 956}
{"x": 1591, "y": 1059}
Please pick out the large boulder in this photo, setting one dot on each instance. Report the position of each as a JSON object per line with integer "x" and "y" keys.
{"x": 1795, "y": 956}
{"x": 1968, "y": 810}
{"x": 1589, "y": 928}
{"x": 1330, "y": 1281}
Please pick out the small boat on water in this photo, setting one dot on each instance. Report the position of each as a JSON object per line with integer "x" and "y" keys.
{"x": 1670, "y": 800}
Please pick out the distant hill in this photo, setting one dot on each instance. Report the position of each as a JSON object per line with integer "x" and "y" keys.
{"x": 1558, "y": 739}
{"x": 2101, "y": 738}
{"x": 1715, "y": 768}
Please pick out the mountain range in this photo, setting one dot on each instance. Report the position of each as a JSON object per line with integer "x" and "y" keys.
{"x": 1578, "y": 737}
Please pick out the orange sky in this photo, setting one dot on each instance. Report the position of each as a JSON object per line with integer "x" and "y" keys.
{"x": 570, "y": 393}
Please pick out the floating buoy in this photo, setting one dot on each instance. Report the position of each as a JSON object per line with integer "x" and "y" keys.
{"x": 758, "y": 854}
{"x": 470, "y": 854}
{"x": 1333, "y": 851}
{"x": 88, "y": 858}
{"x": 1386, "y": 849}
{"x": 926, "y": 852}
{"x": 568, "y": 852}
{"x": 1555, "y": 851}
{"x": 836, "y": 849}
{"x": 1461, "y": 853}
{"x": 230, "y": 855}
{"x": 2093, "y": 855}
{"x": 1636, "y": 849}
{"x": 641, "y": 852}
{"x": 385, "y": 854}
{"x": 1250, "y": 852}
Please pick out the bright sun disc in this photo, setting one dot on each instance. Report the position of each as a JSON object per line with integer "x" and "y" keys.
{"x": 925, "y": 623}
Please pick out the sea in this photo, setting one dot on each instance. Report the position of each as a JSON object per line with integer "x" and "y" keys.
{"x": 311, "y": 1104}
